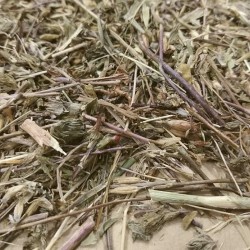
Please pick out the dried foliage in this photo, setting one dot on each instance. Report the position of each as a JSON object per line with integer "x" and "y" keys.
{"x": 101, "y": 101}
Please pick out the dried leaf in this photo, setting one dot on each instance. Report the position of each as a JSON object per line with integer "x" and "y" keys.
{"x": 194, "y": 16}
{"x": 106, "y": 225}
{"x": 90, "y": 91}
{"x": 202, "y": 242}
{"x": 92, "y": 107}
{"x": 37, "y": 203}
{"x": 41, "y": 136}
{"x": 185, "y": 71}
{"x": 145, "y": 14}
{"x": 49, "y": 37}
{"x": 133, "y": 10}
{"x": 91, "y": 240}
{"x": 144, "y": 227}
{"x": 22, "y": 201}
{"x": 7, "y": 82}
{"x": 12, "y": 192}
{"x": 6, "y": 23}
{"x": 241, "y": 9}
{"x": 187, "y": 220}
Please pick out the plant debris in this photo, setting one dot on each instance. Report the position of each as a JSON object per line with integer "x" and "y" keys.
{"x": 202, "y": 241}
{"x": 109, "y": 102}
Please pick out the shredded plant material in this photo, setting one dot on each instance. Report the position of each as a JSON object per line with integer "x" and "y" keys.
{"x": 121, "y": 102}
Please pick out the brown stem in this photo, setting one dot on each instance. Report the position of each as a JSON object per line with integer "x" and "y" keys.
{"x": 120, "y": 130}
{"x": 78, "y": 236}
{"x": 61, "y": 216}
{"x": 210, "y": 126}
{"x": 188, "y": 87}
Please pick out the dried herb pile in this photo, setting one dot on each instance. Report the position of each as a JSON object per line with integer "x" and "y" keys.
{"x": 108, "y": 102}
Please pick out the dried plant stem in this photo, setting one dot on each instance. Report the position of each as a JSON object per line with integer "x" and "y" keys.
{"x": 188, "y": 87}
{"x": 58, "y": 170}
{"x": 143, "y": 175}
{"x": 119, "y": 130}
{"x": 17, "y": 159}
{"x": 211, "y": 42}
{"x": 211, "y": 210}
{"x": 210, "y": 126}
{"x": 124, "y": 226}
{"x": 71, "y": 49}
{"x": 61, "y": 216}
{"x": 86, "y": 9}
{"x": 104, "y": 83}
{"x": 223, "y": 81}
{"x": 134, "y": 86}
{"x": 127, "y": 46}
{"x": 74, "y": 35}
{"x": 105, "y": 197}
{"x": 71, "y": 85}
{"x": 14, "y": 134}
{"x": 108, "y": 150}
{"x": 15, "y": 121}
{"x": 180, "y": 20}
{"x": 32, "y": 75}
{"x": 20, "y": 95}
{"x": 9, "y": 102}
{"x": 181, "y": 184}
{"x": 240, "y": 108}
{"x": 58, "y": 234}
{"x": 226, "y": 202}
{"x": 7, "y": 136}
{"x": 228, "y": 169}
{"x": 192, "y": 163}
{"x": 79, "y": 235}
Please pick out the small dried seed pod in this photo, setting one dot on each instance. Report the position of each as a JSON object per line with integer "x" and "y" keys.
{"x": 69, "y": 131}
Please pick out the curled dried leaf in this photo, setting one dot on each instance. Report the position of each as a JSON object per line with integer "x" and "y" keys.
{"x": 12, "y": 192}
{"x": 18, "y": 210}
{"x": 39, "y": 202}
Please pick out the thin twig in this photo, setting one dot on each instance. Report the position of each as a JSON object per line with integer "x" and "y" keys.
{"x": 188, "y": 87}
{"x": 58, "y": 170}
{"x": 61, "y": 216}
{"x": 210, "y": 126}
{"x": 105, "y": 197}
{"x": 9, "y": 102}
{"x": 240, "y": 108}
{"x": 134, "y": 86}
{"x": 192, "y": 163}
{"x": 15, "y": 121}
{"x": 58, "y": 234}
{"x": 223, "y": 81}
{"x": 119, "y": 130}
{"x": 124, "y": 226}
{"x": 71, "y": 49}
{"x": 228, "y": 169}
{"x": 32, "y": 75}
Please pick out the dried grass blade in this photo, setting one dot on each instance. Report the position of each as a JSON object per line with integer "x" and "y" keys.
{"x": 223, "y": 202}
